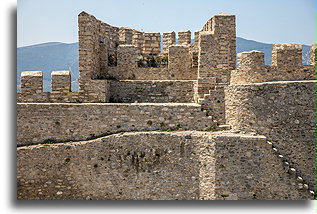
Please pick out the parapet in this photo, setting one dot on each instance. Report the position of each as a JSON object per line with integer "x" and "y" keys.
{"x": 152, "y": 43}
{"x": 127, "y": 55}
{"x": 169, "y": 38}
{"x": 125, "y": 35}
{"x": 286, "y": 65}
{"x": 61, "y": 81}
{"x": 250, "y": 59}
{"x": 179, "y": 60}
{"x": 32, "y": 89}
{"x": 31, "y": 82}
{"x": 184, "y": 37}
{"x": 220, "y": 23}
{"x": 287, "y": 55}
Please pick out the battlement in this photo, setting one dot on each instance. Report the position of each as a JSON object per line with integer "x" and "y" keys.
{"x": 250, "y": 59}
{"x": 32, "y": 89}
{"x": 110, "y": 53}
{"x": 286, "y": 65}
{"x": 184, "y": 37}
{"x": 287, "y": 55}
{"x": 169, "y": 38}
{"x": 128, "y": 85}
{"x": 61, "y": 81}
{"x": 31, "y": 82}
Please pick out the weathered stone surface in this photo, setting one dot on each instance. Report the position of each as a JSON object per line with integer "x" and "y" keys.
{"x": 186, "y": 87}
{"x": 284, "y": 112}
{"x": 152, "y": 91}
{"x": 286, "y": 65}
{"x": 61, "y": 121}
{"x": 155, "y": 166}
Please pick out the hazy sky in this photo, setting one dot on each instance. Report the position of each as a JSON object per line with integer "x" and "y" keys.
{"x": 271, "y": 21}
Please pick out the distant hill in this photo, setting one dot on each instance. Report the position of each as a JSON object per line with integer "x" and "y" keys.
{"x": 48, "y": 57}
{"x": 52, "y": 56}
{"x": 249, "y": 45}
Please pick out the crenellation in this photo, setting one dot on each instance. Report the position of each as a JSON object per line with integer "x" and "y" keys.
{"x": 179, "y": 61}
{"x": 31, "y": 82}
{"x": 196, "y": 36}
{"x": 128, "y": 85}
{"x": 184, "y": 37}
{"x": 138, "y": 40}
{"x": 169, "y": 38}
{"x": 152, "y": 43}
{"x": 125, "y": 36}
{"x": 287, "y": 55}
{"x": 286, "y": 65}
{"x": 61, "y": 81}
{"x": 250, "y": 60}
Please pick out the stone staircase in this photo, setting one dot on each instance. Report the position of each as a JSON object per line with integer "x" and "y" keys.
{"x": 297, "y": 178}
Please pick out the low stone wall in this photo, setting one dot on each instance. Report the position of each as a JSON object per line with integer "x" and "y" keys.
{"x": 286, "y": 65}
{"x": 32, "y": 89}
{"x": 159, "y": 91}
{"x": 214, "y": 103}
{"x": 150, "y": 73}
{"x": 155, "y": 166}
{"x": 267, "y": 73}
{"x": 285, "y": 112}
{"x": 37, "y": 122}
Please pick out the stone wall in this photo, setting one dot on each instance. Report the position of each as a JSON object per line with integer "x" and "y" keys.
{"x": 179, "y": 65}
{"x": 285, "y": 112}
{"x": 184, "y": 37}
{"x": 286, "y": 65}
{"x": 96, "y": 39}
{"x": 152, "y": 43}
{"x": 125, "y": 36}
{"x": 214, "y": 103}
{"x": 37, "y": 122}
{"x": 217, "y": 44}
{"x": 152, "y": 91}
{"x": 32, "y": 89}
{"x": 169, "y": 38}
{"x": 155, "y": 166}
{"x": 179, "y": 62}
{"x": 216, "y": 56}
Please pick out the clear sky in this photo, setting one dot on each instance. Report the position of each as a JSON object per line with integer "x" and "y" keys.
{"x": 270, "y": 21}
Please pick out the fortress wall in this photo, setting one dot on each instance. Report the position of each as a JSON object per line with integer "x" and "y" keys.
{"x": 216, "y": 56}
{"x": 179, "y": 62}
{"x": 184, "y": 37}
{"x": 138, "y": 40}
{"x": 101, "y": 47}
{"x": 287, "y": 55}
{"x": 152, "y": 91}
{"x": 127, "y": 57}
{"x": 37, "y": 122}
{"x": 155, "y": 166}
{"x": 32, "y": 89}
{"x": 151, "y": 73}
{"x": 169, "y": 38}
{"x": 152, "y": 43}
{"x": 285, "y": 112}
{"x": 125, "y": 36}
{"x": 179, "y": 65}
{"x": 286, "y": 65}
{"x": 214, "y": 103}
